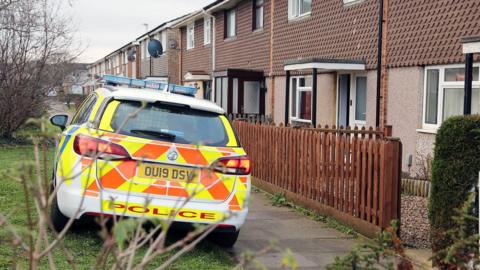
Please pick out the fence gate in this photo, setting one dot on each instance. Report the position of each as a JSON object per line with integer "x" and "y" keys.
{"x": 350, "y": 174}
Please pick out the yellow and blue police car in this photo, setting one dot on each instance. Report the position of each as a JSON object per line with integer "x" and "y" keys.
{"x": 151, "y": 150}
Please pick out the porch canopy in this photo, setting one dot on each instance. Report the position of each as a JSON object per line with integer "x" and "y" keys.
{"x": 316, "y": 64}
{"x": 471, "y": 45}
{"x": 196, "y": 75}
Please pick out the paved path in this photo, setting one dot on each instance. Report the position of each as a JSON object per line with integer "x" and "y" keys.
{"x": 313, "y": 244}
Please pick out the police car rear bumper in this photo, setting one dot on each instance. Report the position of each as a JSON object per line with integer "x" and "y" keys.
{"x": 72, "y": 203}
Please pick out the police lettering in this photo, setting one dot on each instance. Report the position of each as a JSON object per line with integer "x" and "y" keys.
{"x": 154, "y": 211}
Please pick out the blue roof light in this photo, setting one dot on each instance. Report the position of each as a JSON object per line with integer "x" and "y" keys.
{"x": 172, "y": 88}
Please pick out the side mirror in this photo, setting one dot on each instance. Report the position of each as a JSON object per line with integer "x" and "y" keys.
{"x": 59, "y": 120}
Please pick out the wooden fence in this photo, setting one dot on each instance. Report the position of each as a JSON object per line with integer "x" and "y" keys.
{"x": 416, "y": 187}
{"x": 350, "y": 174}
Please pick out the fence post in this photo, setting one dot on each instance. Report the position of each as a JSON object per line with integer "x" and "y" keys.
{"x": 390, "y": 186}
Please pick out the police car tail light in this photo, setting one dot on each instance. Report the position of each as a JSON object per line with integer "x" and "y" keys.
{"x": 96, "y": 148}
{"x": 234, "y": 165}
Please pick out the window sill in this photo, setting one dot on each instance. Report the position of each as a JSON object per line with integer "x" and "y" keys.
{"x": 229, "y": 39}
{"x": 189, "y": 49}
{"x": 257, "y": 31}
{"x": 427, "y": 131}
{"x": 300, "y": 121}
{"x": 300, "y": 18}
{"x": 353, "y": 3}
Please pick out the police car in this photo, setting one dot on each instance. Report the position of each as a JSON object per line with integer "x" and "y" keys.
{"x": 151, "y": 150}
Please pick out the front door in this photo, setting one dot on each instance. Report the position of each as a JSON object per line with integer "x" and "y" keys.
{"x": 352, "y": 100}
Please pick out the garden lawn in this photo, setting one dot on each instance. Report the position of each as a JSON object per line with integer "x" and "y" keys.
{"x": 84, "y": 244}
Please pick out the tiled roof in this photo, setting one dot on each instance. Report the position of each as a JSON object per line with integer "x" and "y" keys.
{"x": 332, "y": 31}
{"x": 429, "y": 32}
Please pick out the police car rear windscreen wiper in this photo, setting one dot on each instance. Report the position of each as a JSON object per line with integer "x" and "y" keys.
{"x": 156, "y": 134}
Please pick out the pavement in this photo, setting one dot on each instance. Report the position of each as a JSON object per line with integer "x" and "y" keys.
{"x": 312, "y": 243}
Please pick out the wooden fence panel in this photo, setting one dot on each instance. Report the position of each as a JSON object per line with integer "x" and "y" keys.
{"x": 355, "y": 172}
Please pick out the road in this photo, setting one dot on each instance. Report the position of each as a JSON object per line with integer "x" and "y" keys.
{"x": 313, "y": 244}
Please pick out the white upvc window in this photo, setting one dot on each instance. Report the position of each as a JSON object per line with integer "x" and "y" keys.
{"x": 162, "y": 37}
{"x": 299, "y": 8}
{"x": 165, "y": 41}
{"x": 191, "y": 36}
{"x": 301, "y": 99}
{"x": 444, "y": 91}
{"x": 231, "y": 23}
{"x": 145, "y": 54}
{"x": 207, "y": 31}
{"x": 258, "y": 14}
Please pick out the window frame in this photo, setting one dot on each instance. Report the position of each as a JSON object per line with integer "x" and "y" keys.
{"x": 85, "y": 111}
{"x": 355, "y": 78}
{"x": 207, "y": 31}
{"x": 442, "y": 85}
{"x": 256, "y": 6}
{"x": 162, "y": 37}
{"x": 226, "y": 32}
{"x": 296, "y": 118}
{"x": 144, "y": 49}
{"x": 351, "y": 2}
{"x": 190, "y": 36}
{"x": 296, "y": 14}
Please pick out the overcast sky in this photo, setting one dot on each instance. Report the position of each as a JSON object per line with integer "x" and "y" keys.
{"x": 106, "y": 25}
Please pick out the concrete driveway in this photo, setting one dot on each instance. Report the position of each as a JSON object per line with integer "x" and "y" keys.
{"x": 313, "y": 244}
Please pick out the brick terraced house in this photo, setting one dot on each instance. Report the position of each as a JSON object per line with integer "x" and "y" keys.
{"x": 165, "y": 67}
{"x": 133, "y": 60}
{"x": 196, "y": 45}
{"x": 315, "y": 62}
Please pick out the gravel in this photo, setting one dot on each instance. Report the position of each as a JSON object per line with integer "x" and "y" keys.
{"x": 415, "y": 230}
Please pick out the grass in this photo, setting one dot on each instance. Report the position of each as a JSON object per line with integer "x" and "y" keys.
{"x": 84, "y": 244}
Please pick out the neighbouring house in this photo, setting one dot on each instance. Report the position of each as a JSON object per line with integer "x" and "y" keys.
{"x": 74, "y": 82}
{"x": 123, "y": 61}
{"x": 196, "y": 46}
{"x": 164, "y": 68}
{"x": 242, "y": 54}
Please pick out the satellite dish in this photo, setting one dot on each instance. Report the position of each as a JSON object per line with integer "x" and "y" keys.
{"x": 155, "y": 48}
{"x": 131, "y": 55}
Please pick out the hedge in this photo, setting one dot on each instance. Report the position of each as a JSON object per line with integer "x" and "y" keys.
{"x": 455, "y": 170}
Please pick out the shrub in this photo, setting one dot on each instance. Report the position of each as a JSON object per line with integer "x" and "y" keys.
{"x": 455, "y": 170}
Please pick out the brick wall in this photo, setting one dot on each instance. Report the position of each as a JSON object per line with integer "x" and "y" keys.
{"x": 173, "y": 56}
{"x": 248, "y": 49}
{"x": 200, "y": 57}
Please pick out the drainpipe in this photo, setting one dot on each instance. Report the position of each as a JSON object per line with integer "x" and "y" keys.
{"x": 213, "y": 28}
{"x": 467, "y": 103}
{"x": 379, "y": 63}
{"x": 272, "y": 79}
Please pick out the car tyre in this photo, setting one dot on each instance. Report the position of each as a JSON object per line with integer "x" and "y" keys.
{"x": 59, "y": 220}
{"x": 225, "y": 239}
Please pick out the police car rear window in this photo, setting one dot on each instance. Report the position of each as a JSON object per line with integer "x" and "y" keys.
{"x": 171, "y": 123}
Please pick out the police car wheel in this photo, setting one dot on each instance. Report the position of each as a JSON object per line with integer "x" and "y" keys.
{"x": 225, "y": 239}
{"x": 59, "y": 221}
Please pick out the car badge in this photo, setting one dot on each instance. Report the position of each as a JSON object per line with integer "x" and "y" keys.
{"x": 172, "y": 156}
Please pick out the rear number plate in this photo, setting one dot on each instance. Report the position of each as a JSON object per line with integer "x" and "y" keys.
{"x": 168, "y": 173}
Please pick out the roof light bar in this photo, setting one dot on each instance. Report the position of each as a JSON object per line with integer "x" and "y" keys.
{"x": 171, "y": 88}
